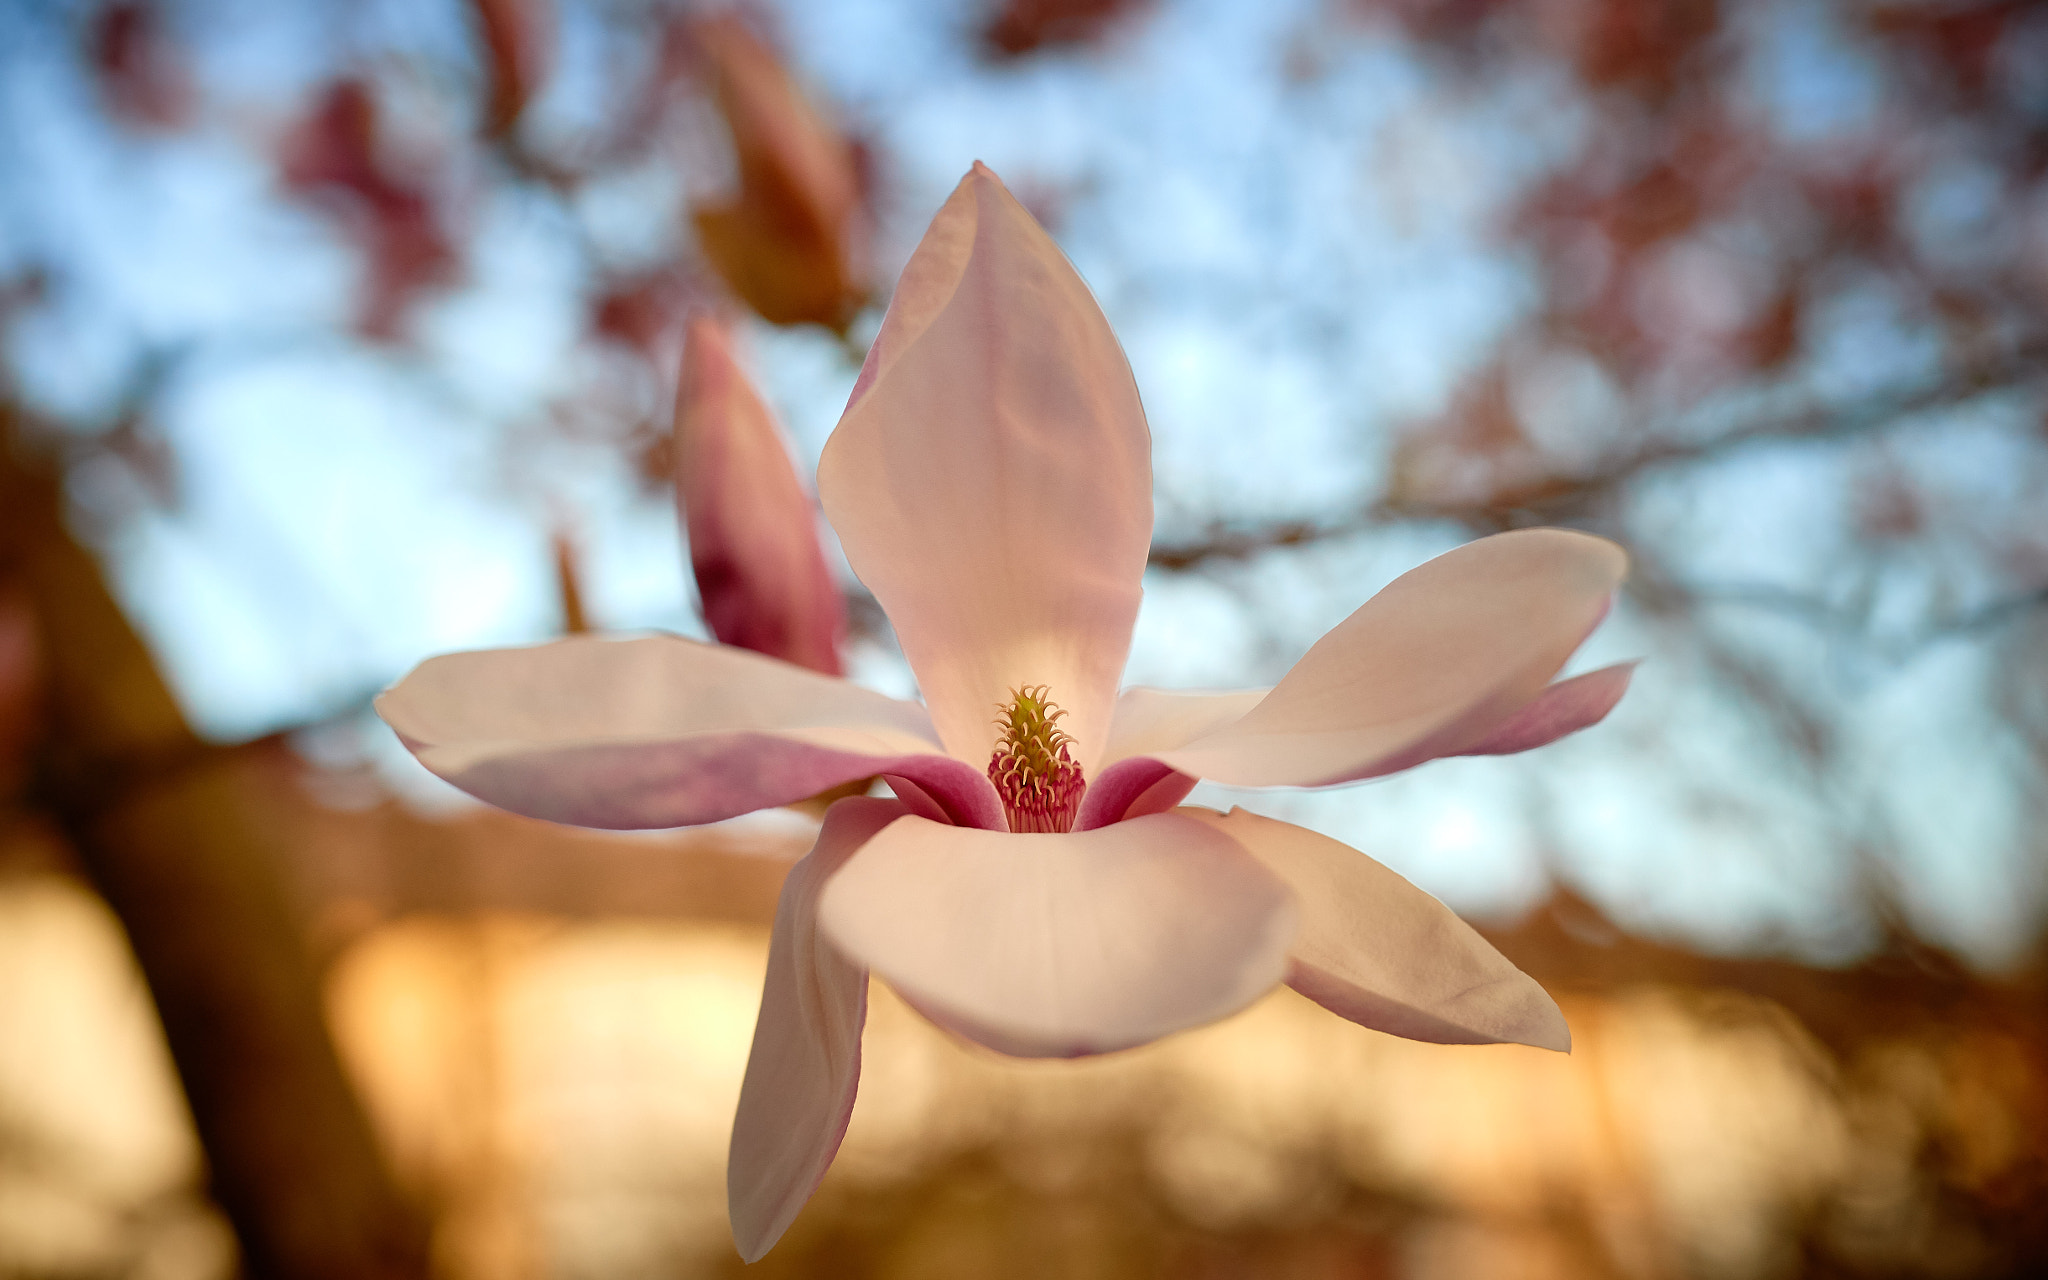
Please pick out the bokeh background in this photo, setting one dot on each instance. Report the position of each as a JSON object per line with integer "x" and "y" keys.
{"x": 339, "y": 334}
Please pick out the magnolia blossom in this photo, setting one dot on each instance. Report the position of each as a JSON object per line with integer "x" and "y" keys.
{"x": 761, "y": 576}
{"x": 1032, "y": 884}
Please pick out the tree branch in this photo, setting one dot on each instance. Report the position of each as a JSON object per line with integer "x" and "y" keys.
{"x": 1571, "y": 498}
{"x": 158, "y": 821}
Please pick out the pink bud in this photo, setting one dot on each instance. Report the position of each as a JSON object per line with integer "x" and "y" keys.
{"x": 753, "y": 535}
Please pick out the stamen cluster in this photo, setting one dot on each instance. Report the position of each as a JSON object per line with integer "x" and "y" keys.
{"x": 1032, "y": 768}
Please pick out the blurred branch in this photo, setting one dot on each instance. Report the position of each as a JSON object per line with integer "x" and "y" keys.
{"x": 1569, "y": 944}
{"x": 1552, "y": 498}
{"x": 1790, "y": 601}
{"x": 1222, "y": 543}
{"x": 1574, "y": 498}
{"x": 356, "y": 863}
{"x": 158, "y": 822}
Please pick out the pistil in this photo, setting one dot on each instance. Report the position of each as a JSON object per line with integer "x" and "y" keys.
{"x": 1032, "y": 767}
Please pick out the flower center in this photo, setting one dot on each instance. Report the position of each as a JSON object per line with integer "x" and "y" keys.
{"x": 1036, "y": 776}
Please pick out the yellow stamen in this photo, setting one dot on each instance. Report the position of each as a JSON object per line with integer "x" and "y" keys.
{"x": 1032, "y": 768}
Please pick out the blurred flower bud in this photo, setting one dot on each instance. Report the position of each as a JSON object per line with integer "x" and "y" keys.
{"x": 517, "y": 38}
{"x": 645, "y": 311}
{"x": 335, "y": 157}
{"x": 791, "y": 242}
{"x": 761, "y": 575}
{"x": 1020, "y": 27}
{"x": 142, "y": 72}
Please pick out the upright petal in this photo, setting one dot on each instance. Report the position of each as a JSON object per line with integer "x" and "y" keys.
{"x": 1060, "y": 945}
{"x": 991, "y": 480}
{"x": 1428, "y": 667}
{"x": 662, "y": 732}
{"x": 805, "y": 1064}
{"x": 753, "y": 533}
{"x": 1379, "y": 951}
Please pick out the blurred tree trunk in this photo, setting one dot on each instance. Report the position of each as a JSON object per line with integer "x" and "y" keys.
{"x": 155, "y": 817}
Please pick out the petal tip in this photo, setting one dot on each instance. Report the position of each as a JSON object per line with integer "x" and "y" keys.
{"x": 1611, "y": 555}
{"x": 392, "y": 705}
{"x": 750, "y": 1253}
{"x": 703, "y": 328}
{"x": 1549, "y": 1030}
{"x": 1604, "y": 555}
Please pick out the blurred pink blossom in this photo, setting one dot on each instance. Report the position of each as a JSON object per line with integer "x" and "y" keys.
{"x": 518, "y": 46}
{"x": 143, "y": 72}
{"x": 791, "y": 241}
{"x": 991, "y": 483}
{"x": 761, "y": 577}
{"x": 339, "y": 157}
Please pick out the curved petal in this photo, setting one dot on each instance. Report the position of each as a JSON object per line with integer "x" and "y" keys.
{"x": 805, "y": 1063}
{"x": 660, "y": 731}
{"x": 1060, "y": 945}
{"x": 1562, "y": 708}
{"x": 1447, "y": 652}
{"x": 1131, "y": 788}
{"x": 1131, "y": 783}
{"x": 753, "y": 534}
{"x": 991, "y": 480}
{"x": 1381, "y": 952}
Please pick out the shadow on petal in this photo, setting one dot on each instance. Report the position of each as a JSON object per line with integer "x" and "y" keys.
{"x": 804, "y": 1068}
{"x": 1062, "y": 945}
{"x": 1375, "y": 949}
{"x": 659, "y": 731}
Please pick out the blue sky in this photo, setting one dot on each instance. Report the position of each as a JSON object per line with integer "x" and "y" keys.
{"x": 1297, "y": 265}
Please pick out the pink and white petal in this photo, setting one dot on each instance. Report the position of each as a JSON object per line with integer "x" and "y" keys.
{"x": 753, "y": 534}
{"x": 1432, "y": 664}
{"x": 1153, "y": 720}
{"x": 1061, "y": 945}
{"x": 1562, "y": 708}
{"x": 1131, "y": 788}
{"x": 660, "y": 731}
{"x": 1375, "y": 949}
{"x": 805, "y": 1064}
{"x": 991, "y": 480}
{"x": 1131, "y": 783}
